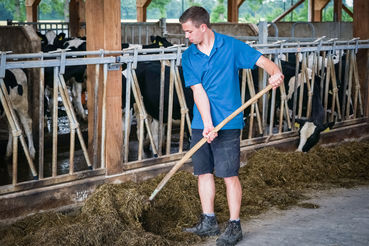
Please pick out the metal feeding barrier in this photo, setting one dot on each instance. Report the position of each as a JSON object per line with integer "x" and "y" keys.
{"x": 315, "y": 56}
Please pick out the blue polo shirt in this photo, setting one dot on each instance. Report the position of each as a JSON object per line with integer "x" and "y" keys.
{"x": 218, "y": 74}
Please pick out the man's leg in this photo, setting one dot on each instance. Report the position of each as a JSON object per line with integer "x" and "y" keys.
{"x": 206, "y": 186}
{"x": 207, "y": 225}
{"x": 234, "y": 196}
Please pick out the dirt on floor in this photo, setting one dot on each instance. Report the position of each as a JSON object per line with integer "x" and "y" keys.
{"x": 120, "y": 214}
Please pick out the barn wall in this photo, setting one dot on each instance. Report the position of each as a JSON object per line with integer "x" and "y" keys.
{"x": 23, "y": 39}
{"x": 341, "y": 30}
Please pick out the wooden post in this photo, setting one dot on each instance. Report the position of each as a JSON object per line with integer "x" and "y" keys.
{"x": 103, "y": 31}
{"x": 31, "y": 10}
{"x": 73, "y": 18}
{"x": 141, "y": 6}
{"x": 232, "y": 11}
{"x": 315, "y": 10}
{"x": 337, "y": 10}
{"x": 361, "y": 30}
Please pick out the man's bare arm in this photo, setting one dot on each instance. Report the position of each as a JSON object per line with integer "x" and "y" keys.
{"x": 276, "y": 76}
{"x": 202, "y": 102}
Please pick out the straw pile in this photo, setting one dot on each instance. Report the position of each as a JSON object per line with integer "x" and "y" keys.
{"x": 120, "y": 214}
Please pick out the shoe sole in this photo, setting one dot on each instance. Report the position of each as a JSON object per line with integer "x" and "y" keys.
{"x": 223, "y": 243}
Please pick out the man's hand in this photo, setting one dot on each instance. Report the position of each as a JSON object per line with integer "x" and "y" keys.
{"x": 276, "y": 79}
{"x": 208, "y": 134}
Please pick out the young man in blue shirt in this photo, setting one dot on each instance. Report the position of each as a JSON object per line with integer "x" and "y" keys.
{"x": 210, "y": 67}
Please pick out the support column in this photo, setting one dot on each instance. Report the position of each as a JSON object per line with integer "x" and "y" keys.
{"x": 141, "y": 6}
{"x": 103, "y": 31}
{"x": 337, "y": 11}
{"x": 361, "y": 30}
{"x": 315, "y": 10}
{"x": 76, "y": 17}
{"x": 73, "y": 18}
{"x": 232, "y": 11}
{"x": 31, "y": 10}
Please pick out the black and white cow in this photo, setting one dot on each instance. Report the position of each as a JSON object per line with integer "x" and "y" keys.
{"x": 310, "y": 129}
{"x": 148, "y": 76}
{"x": 156, "y": 42}
{"x": 16, "y": 85}
{"x": 74, "y": 75}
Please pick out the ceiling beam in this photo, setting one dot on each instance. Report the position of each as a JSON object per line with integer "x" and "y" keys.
{"x": 348, "y": 11}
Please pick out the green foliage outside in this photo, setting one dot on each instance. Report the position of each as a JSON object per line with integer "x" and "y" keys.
{"x": 251, "y": 11}
{"x": 219, "y": 12}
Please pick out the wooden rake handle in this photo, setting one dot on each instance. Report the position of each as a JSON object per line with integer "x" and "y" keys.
{"x": 203, "y": 140}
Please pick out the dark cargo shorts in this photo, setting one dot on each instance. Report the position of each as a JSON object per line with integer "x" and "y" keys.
{"x": 222, "y": 155}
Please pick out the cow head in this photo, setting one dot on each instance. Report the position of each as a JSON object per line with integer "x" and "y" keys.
{"x": 309, "y": 132}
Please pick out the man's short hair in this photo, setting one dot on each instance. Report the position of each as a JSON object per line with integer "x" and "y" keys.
{"x": 198, "y": 15}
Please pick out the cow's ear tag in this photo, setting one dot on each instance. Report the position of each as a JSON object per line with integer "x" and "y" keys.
{"x": 327, "y": 129}
{"x": 154, "y": 42}
{"x": 160, "y": 43}
{"x": 297, "y": 125}
{"x": 60, "y": 38}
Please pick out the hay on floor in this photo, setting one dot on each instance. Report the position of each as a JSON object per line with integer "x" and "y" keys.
{"x": 120, "y": 214}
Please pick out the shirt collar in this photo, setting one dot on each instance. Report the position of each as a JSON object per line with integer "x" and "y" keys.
{"x": 218, "y": 42}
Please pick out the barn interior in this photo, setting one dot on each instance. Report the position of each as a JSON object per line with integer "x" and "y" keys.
{"x": 99, "y": 153}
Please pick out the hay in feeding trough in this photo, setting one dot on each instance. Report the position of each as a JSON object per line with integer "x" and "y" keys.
{"x": 121, "y": 215}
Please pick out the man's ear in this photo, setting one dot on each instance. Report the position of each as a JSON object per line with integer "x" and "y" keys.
{"x": 203, "y": 27}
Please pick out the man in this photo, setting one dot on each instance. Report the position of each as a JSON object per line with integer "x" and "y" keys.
{"x": 210, "y": 67}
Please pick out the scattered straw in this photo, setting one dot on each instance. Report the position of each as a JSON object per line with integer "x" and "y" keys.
{"x": 120, "y": 214}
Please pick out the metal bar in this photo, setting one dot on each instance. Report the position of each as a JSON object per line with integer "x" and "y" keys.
{"x": 41, "y": 139}
{"x": 127, "y": 115}
{"x": 351, "y": 70}
{"x": 170, "y": 107}
{"x": 103, "y": 121}
{"x": 161, "y": 108}
{"x": 95, "y": 146}
{"x": 344, "y": 88}
{"x": 55, "y": 122}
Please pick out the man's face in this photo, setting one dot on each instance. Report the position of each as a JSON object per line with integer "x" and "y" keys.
{"x": 193, "y": 33}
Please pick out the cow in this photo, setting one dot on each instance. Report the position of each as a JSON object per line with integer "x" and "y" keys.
{"x": 156, "y": 42}
{"x": 148, "y": 77}
{"x": 309, "y": 130}
{"x": 74, "y": 75}
{"x": 15, "y": 81}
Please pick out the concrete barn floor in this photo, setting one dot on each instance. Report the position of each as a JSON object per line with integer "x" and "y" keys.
{"x": 341, "y": 219}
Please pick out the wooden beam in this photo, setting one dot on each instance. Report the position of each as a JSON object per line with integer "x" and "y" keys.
{"x": 317, "y": 9}
{"x": 31, "y": 10}
{"x": 76, "y": 17}
{"x": 141, "y": 6}
{"x": 348, "y": 11}
{"x": 361, "y": 30}
{"x": 103, "y": 31}
{"x": 337, "y": 10}
{"x": 288, "y": 11}
{"x": 239, "y": 3}
{"x": 232, "y": 11}
{"x": 73, "y": 18}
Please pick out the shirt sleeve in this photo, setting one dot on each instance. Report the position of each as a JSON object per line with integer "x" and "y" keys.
{"x": 188, "y": 71}
{"x": 246, "y": 56}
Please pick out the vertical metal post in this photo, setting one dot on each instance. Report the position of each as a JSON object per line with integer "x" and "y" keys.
{"x": 263, "y": 39}
{"x": 103, "y": 121}
{"x": 41, "y": 123}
